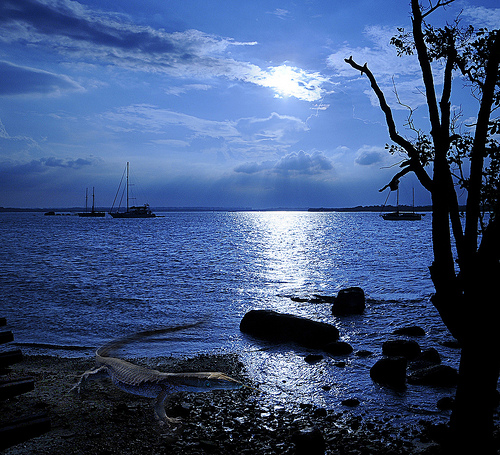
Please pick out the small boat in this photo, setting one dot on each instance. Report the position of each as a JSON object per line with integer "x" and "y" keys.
{"x": 398, "y": 215}
{"x": 142, "y": 211}
{"x": 93, "y": 212}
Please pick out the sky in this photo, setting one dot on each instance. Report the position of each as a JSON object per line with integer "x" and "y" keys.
{"x": 215, "y": 103}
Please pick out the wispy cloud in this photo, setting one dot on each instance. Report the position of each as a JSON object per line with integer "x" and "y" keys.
{"x": 181, "y": 89}
{"x": 22, "y": 80}
{"x": 69, "y": 28}
{"x": 280, "y": 13}
{"x": 246, "y": 136}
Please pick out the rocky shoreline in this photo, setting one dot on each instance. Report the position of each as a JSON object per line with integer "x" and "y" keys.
{"x": 106, "y": 420}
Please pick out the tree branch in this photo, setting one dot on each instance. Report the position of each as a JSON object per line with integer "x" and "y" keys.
{"x": 479, "y": 145}
{"x": 413, "y": 153}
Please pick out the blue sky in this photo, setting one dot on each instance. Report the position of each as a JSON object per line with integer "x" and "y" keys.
{"x": 213, "y": 103}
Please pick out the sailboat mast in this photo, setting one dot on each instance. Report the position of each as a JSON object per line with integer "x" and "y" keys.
{"x": 93, "y": 199}
{"x": 397, "y": 200}
{"x": 86, "y": 198}
{"x": 127, "y": 185}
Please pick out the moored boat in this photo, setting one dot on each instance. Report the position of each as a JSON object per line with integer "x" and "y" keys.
{"x": 93, "y": 212}
{"x": 142, "y": 211}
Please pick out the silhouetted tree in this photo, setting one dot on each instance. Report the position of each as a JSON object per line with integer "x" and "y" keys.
{"x": 447, "y": 162}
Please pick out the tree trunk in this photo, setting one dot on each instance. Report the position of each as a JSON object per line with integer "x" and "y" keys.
{"x": 471, "y": 422}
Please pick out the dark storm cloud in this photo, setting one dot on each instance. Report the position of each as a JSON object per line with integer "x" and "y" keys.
{"x": 72, "y": 20}
{"x": 19, "y": 80}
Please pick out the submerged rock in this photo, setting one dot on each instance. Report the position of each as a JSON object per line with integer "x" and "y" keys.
{"x": 408, "y": 349}
{"x": 274, "y": 326}
{"x": 427, "y": 358}
{"x": 437, "y": 375}
{"x": 338, "y": 348}
{"x": 349, "y": 301}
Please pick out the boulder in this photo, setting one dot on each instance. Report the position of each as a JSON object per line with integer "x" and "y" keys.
{"x": 390, "y": 372}
{"x": 408, "y": 349}
{"x": 273, "y": 326}
{"x": 437, "y": 375}
{"x": 338, "y": 348}
{"x": 412, "y": 331}
{"x": 349, "y": 301}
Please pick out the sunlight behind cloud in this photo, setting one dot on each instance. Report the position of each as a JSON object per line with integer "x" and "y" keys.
{"x": 288, "y": 81}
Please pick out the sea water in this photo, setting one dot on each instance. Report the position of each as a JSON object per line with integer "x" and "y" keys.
{"x": 70, "y": 284}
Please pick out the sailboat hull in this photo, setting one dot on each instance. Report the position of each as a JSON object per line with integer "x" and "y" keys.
{"x": 92, "y": 214}
{"x": 401, "y": 216}
{"x": 135, "y": 212}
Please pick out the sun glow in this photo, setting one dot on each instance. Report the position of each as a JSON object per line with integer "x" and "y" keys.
{"x": 288, "y": 81}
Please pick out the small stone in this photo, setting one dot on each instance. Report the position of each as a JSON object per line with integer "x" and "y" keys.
{"x": 309, "y": 441}
{"x": 351, "y": 402}
{"x": 338, "y": 348}
{"x": 363, "y": 353}
{"x": 313, "y": 358}
{"x": 401, "y": 348}
{"x": 413, "y": 331}
{"x": 320, "y": 412}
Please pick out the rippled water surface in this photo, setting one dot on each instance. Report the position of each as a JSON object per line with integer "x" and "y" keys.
{"x": 78, "y": 282}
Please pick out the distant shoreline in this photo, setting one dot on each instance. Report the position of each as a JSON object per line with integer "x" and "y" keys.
{"x": 369, "y": 208}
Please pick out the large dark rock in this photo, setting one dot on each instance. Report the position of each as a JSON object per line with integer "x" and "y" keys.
{"x": 274, "y": 326}
{"x": 349, "y": 301}
{"x": 390, "y": 372}
{"x": 437, "y": 375}
{"x": 408, "y": 349}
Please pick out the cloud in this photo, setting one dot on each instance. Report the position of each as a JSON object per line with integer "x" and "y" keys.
{"x": 381, "y": 56}
{"x": 181, "y": 89}
{"x": 280, "y": 13}
{"x": 300, "y": 163}
{"x": 42, "y": 165}
{"x": 21, "y": 80}
{"x": 479, "y": 16}
{"x": 70, "y": 28}
{"x": 250, "y": 136}
{"x": 254, "y": 168}
{"x": 369, "y": 156}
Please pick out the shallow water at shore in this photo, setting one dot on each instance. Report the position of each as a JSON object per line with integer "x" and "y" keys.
{"x": 71, "y": 284}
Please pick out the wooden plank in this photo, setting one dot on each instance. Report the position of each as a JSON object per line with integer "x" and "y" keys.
{"x": 21, "y": 430}
{"x": 12, "y": 388}
{"x": 10, "y": 357}
{"x": 6, "y": 337}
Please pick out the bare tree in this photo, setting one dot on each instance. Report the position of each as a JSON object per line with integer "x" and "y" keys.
{"x": 466, "y": 293}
